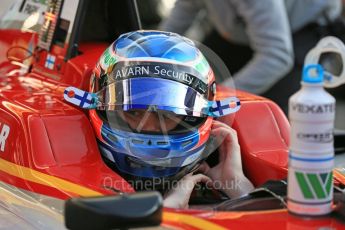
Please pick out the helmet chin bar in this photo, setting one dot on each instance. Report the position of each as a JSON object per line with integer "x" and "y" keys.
{"x": 217, "y": 108}
{"x": 333, "y": 45}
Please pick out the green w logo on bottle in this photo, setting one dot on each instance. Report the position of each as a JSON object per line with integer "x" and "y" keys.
{"x": 315, "y": 185}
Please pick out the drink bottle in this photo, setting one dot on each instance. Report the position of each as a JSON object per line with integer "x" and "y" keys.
{"x": 311, "y": 156}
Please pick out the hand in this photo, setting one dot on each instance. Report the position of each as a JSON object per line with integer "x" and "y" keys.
{"x": 227, "y": 174}
{"x": 178, "y": 196}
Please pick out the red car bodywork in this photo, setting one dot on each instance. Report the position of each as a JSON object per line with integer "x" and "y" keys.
{"x": 52, "y": 150}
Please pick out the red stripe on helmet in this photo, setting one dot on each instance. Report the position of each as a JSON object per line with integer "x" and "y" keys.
{"x": 204, "y": 132}
{"x": 97, "y": 71}
{"x": 211, "y": 77}
{"x": 97, "y": 124}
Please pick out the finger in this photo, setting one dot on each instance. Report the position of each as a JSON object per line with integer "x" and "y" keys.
{"x": 221, "y": 136}
{"x": 226, "y": 128}
{"x": 223, "y": 153}
{"x": 179, "y": 196}
{"x": 222, "y": 133}
{"x": 229, "y": 149}
{"x": 224, "y": 137}
{"x": 219, "y": 124}
{"x": 187, "y": 184}
{"x": 200, "y": 178}
{"x": 187, "y": 175}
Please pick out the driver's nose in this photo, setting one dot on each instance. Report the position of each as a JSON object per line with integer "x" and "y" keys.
{"x": 152, "y": 123}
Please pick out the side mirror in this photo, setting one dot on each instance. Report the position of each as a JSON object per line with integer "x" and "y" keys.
{"x": 142, "y": 209}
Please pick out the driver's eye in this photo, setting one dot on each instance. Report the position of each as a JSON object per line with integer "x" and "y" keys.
{"x": 171, "y": 116}
{"x": 133, "y": 113}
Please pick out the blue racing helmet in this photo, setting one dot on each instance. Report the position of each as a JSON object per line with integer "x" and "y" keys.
{"x": 152, "y": 78}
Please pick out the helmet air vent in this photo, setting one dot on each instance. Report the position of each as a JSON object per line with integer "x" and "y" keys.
{"x": 162, "y": 143}
{"x": 112, "y": 137}
{"x": 184, "y": 144}
{"x": 137, "y": 142}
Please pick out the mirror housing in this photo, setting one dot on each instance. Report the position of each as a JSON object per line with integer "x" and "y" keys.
{"x": 142, "y": 209}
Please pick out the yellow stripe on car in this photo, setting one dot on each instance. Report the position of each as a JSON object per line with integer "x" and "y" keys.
{"x": 45, "y": 179}
{"x": 190, "y": 220}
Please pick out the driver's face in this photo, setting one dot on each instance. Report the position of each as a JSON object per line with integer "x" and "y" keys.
{"x": 141, "y": 120}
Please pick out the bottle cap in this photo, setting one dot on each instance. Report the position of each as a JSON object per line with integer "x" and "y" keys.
{"x": 313, "y": 74}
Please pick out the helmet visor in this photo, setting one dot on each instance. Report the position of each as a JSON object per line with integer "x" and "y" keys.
{"x": 152, "y": 94}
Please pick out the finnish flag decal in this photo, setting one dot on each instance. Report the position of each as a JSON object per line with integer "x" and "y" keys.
{"x": 50, "y": 61}
{"x": 224, "y": 107}
{"x": 80, "y": 97}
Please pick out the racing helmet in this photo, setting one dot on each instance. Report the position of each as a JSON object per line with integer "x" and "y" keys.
{"x": 163, "y": 75}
